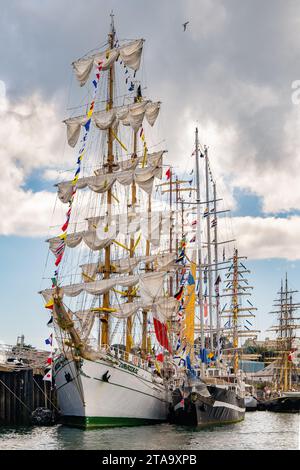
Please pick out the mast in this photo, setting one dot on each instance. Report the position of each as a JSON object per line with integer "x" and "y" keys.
{"x": 132, "y": 249}
{"x": 171, "y": 224}
{"x": 145, "y": 313}
{"x": 209, "y": 252}
{"x": 198, "y": 236}
{"x": 216, "y": 270}
{"x": 237, "y": 286}
{"x": 235, "y": 310}
{"x": 286, "y": 332}
{"x": 110, "y": 161}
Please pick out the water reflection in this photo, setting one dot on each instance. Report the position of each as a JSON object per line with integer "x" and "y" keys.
{"x": 260, "y": 430}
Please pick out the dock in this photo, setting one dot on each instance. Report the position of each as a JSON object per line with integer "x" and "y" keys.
{"x": 22, "y": 388}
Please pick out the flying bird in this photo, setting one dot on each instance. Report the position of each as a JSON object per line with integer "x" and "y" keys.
{"x": 185, "y": 25}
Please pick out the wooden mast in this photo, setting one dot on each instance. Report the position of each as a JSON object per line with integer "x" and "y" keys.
{"x": 132, "y": 249}
{"x": 145, "y": 313}
{"x": 110, "y": 161}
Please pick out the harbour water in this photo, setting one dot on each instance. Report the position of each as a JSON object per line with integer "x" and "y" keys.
{"x": 259, "y": 430}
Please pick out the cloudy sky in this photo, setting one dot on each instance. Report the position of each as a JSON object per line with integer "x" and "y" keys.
{"x": 231, "y": 73}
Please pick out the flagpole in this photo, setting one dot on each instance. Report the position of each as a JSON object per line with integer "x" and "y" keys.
{"x": 198, "y": 235}
{"x": 209, "y": 254}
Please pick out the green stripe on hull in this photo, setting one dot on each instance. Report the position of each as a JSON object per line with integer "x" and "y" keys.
{"x": 105, "y": 422}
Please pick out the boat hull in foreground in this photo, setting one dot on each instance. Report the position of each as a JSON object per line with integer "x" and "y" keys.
{"x": 106, "y": 394}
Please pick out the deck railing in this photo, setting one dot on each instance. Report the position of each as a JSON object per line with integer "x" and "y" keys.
{"x": 133, "y": 359}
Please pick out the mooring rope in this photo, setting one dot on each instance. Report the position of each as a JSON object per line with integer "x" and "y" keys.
{"x": 13, "y": 393}
{"x": 45, "y": 394}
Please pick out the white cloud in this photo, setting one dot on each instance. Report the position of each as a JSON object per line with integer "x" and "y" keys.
{"x": 270, "y": 237}
{"x": 31, "y": 131}
{"x": 31, "y": 134}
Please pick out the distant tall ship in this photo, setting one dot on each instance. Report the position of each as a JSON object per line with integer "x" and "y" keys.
{"x": 285, "y": 390}
{"x": 212, "y": 391}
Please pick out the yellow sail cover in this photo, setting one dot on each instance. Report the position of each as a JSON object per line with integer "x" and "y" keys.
{"x": 189, "y": 304}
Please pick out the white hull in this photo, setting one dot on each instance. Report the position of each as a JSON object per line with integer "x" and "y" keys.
{"x": 130, "y": 397}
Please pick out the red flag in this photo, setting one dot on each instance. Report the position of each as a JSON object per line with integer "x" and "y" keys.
{"x": 49, "y": 360}
{"x": 168, "y": 173}
{"x": 160, "y": 357}
{"x": 161, "y": 334}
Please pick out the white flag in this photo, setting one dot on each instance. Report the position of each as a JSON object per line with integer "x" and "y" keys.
{"x": 48, "y": 376}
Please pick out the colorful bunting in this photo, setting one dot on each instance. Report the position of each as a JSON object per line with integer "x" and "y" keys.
{"x": 179, "y": 294}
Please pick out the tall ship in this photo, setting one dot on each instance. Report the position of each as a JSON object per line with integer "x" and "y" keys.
{"x": 111, "y": 295}
{"x": 284, "y": 395}
{"x": 135, "y": 297}
{"x": 211, "y": 388}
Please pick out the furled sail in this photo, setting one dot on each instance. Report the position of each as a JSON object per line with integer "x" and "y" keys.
{"x": 127, "y": 219}
{"x": 89, "y": 237}
{"x": 129, "y": 115}
{"x": 101, "y": 286}
{"x": 129, "y": 53}
{"x": 101, "y": 234}
{"x": 95, "y": 288}
{"x": 153, "y": 159}
{"x": 161, "y": 262}
{"x": 143, "y": 177}
{"x": 166, "y": 306}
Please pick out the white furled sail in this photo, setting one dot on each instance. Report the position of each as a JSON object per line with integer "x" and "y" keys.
{"x": 144, "y": 178}
{"x": 153, "y": 280}
{"x": 161, "y": 262}
{"x": 129, "y": 115}
{"x": 153, "y": 159}
{"x": 166, "y": 306}
{"x": 129, "y": 53}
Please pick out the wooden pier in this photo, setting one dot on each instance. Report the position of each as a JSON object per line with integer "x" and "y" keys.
{"x": 22, "y": 388}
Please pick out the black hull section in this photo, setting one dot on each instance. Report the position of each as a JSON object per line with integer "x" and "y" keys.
{"x": 222, "y": 407}
{"x": 283, "y": 405}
